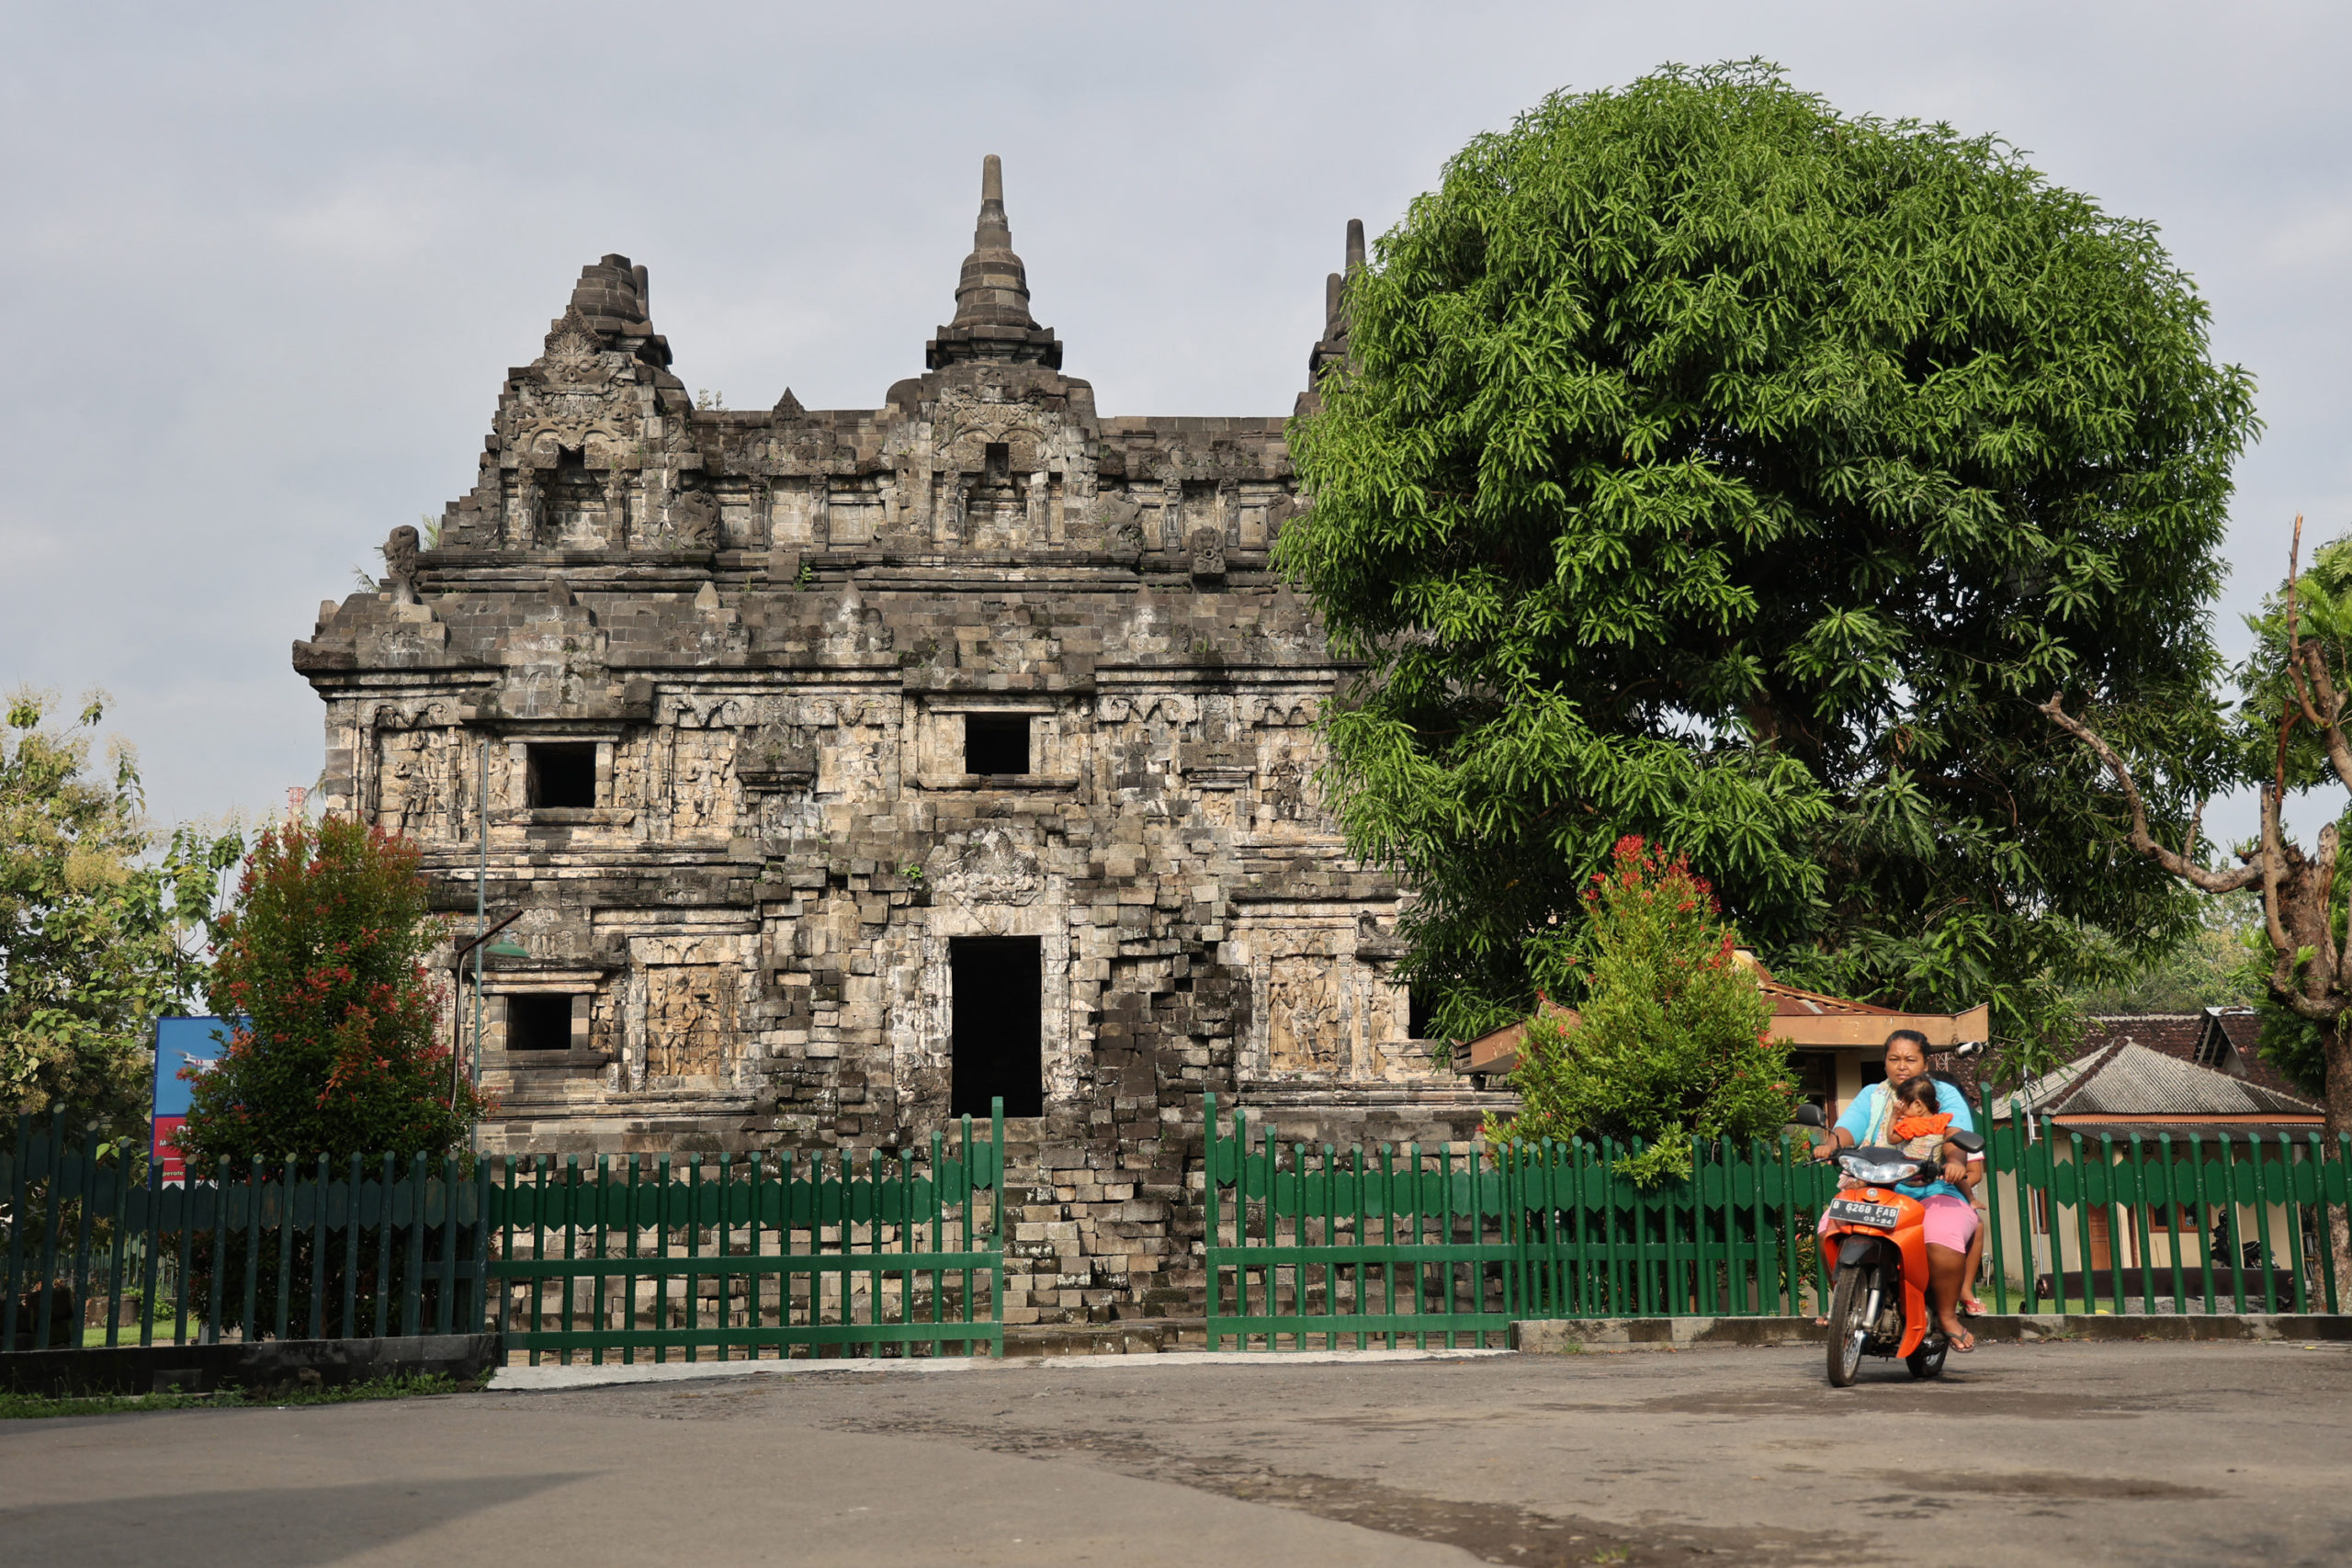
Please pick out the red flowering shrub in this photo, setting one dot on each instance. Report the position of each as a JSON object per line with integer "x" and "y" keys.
{"x": 1673, "y": 1037}
{"x": 323, "y": 953}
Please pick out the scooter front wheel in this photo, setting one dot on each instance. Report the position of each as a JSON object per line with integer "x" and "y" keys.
{"x": 1847, "y": 1303}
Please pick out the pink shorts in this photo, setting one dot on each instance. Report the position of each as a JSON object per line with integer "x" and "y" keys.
{"x": 1951, "y": 1222}
{"x": 1948, "y": 1221}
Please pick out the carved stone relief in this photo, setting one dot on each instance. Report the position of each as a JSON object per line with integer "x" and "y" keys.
{"x": 691, "y": 1020}
{"x": 415, "y": 782}
{"x": 693, "y": 520}
{"x": 703, "y": 786}
{"x": 1208, "y": 555}
{"x": 989, "y": 868}
{"x": 1285, "y": 794}
{"x": 419, "y": 788}
{"x": 1303, "y": 1021}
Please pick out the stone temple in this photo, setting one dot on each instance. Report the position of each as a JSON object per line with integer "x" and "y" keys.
{"x": 852, "y": 767}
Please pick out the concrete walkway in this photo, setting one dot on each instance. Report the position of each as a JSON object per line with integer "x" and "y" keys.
{"x": 2137, "y": 1453}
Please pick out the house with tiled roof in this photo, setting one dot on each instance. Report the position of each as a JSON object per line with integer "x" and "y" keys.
{"x": 2225, "y": 1039}
{"x": 2126, "y": 1101}
{"x": 1835, "y": 1044}
{"x": 2125, "y": 1087}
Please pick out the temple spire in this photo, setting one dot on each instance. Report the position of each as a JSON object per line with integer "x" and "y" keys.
{"x": 1331, "y": 348}
{"x": 993, "y": 319}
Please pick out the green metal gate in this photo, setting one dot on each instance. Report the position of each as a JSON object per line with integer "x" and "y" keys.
{"x": 1317, "y": 1247}
{"x": 1308, "y": 1245}
{"x": 2218, "y": 1220}
{"x": 719, "y": 1257}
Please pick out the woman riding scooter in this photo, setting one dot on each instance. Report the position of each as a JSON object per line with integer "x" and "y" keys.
{"x": 1950, "y": 1218}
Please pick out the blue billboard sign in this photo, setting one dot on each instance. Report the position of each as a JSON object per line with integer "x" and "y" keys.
{"x": 180, "y": 1043}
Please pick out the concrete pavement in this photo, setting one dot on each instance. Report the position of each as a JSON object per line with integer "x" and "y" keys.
{"x": 2060, "y": 1453}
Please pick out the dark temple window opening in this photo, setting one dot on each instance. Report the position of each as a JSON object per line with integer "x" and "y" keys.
{"x": 1417, "y": 1012}
{"x": 538, "y": 1023}
{"x": 997, "y": 984}
{"x": 999, "y": 462}
{"x": 562, "y": 775}
{"x": 996, "y": 742}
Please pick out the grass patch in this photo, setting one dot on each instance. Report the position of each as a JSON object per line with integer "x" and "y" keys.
{"x": 33, "y": 1407}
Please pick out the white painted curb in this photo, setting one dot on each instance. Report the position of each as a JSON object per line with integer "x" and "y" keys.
{"x": 547, "y": 1378}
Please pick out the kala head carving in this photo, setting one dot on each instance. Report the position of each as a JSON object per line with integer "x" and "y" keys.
{"x": 1208, "y": 554}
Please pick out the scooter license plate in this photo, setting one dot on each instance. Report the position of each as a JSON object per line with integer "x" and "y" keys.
{"x": 1850, "y": 1212}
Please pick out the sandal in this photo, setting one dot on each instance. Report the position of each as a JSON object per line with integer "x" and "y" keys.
{"x": 1963, "y": 1342}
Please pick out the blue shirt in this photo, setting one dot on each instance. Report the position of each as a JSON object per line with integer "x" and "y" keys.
{"x": 1865, "y": 1110}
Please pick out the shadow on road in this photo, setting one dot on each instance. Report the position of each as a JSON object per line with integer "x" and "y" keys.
{"x": 274, "y": 1526}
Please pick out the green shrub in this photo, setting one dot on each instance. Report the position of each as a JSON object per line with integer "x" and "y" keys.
{"x": 1673, "y": 1039}
{"x": 323, "y": 953}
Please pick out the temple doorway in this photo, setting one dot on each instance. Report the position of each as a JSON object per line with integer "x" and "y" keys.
{"x": 996, "y": 986}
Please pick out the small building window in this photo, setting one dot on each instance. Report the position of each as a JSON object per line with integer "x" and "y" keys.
{"x": 1815, "y": 1074}
{"x": 1417, "y": 1012}
{"x": 996, "y": 743}
{"x": 562, "y": 775}
{"x": 539, "y": 1022}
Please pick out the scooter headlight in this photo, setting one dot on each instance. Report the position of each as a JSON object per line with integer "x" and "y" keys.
{"x": 1878, "y": 1173}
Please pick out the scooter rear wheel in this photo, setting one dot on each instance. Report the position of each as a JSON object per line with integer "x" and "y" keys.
{"x": 1847, "y": 1329}
{"x": 1927, "y": 1360}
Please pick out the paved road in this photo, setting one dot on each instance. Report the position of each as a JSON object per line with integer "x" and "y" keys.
{"x": 2052, "y": 1454}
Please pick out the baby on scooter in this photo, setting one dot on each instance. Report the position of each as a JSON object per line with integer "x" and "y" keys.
{"x": 1918, "y": 1126}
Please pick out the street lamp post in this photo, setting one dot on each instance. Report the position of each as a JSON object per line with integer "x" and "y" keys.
{"x": 470, "y": 1059}
{"x": 481, "y": 914}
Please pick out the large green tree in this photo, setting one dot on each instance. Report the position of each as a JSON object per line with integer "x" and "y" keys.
{"x": 101, "y": 921}
{"x": 1711, "y": 466}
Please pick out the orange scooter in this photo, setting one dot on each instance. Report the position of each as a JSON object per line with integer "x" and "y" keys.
{"x": 1874, "y": 1250}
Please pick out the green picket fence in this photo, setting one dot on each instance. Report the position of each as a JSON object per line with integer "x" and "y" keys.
{"x": 359, "y": 1248}
{"x": 719, "y": 1257}
{"x": 1313, "y": 1248}
{"x": 2197, "y": 1222}
{"x": 1734, "y": 1239}
{"x": 1310, "y": 1245}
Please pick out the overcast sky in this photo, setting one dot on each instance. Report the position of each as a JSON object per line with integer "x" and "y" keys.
{"x": 265, "y": 266}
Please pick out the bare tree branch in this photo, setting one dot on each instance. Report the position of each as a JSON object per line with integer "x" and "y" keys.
{"x": 2328, "y": 718}
{"x": 2178, "y": 864}
{"x": 2310, "y": 963}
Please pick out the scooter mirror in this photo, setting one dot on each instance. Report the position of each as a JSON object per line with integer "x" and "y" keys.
{"x": 1970, "y": 1142}
{"x": 1808, "y": 1116}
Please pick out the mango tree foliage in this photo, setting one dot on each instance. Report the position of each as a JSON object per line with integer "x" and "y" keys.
{"x": 1713, "y": 466}
{"x": 101, "y": 928}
